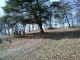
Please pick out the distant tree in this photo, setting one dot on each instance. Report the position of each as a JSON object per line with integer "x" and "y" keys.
{"x": 6, "y": 21}
{"x": 77, "y": 5}
{"x": 68, "y": 9}
{"x": 64, "y": 9}
{"x": 59, "y": 13}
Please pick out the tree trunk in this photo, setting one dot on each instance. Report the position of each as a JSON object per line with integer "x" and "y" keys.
{"x": 1, "y": 29}
{"x": 72, "y": 23}
{"x": 50, "y": 25}
{"x": 66, "y": 16}
{"x": 20, "y": 33}
{"x": 77, "y": 23}
{"x": 12, "y": 30}
{"x": 8, "y": 31}
{"x": 16, "y": 32}
{"x": 63, "y": 24}
{"x": 29, "y": 28}
{"x": 32, "y": 27}
{"x": 68, "y": 23}
{"x": 72, "y": 20}
{"x": 41, "y": 28}
{"x": 24, "y": 30}
{"x": 5, "y": 30}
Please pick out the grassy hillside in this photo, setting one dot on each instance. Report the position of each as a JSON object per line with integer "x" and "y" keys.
{"x": 57, "y": 44}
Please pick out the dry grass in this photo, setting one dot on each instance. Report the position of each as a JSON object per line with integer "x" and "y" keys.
{"x": 66, "y": 47}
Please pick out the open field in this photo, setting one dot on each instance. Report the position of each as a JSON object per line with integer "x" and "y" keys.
{"x": 57, "y": 44}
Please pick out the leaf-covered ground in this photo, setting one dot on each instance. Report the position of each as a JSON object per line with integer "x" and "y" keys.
{"x": 65, "y": 48}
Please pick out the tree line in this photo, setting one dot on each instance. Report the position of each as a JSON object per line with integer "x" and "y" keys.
{"x": 36, "y": 12}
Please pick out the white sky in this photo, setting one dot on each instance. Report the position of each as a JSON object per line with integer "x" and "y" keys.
{"x": 2, "y": 3}
{"x": 54, "y": 0}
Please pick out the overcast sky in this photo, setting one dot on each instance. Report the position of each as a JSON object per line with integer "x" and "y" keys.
{"x": 2, "y": 3}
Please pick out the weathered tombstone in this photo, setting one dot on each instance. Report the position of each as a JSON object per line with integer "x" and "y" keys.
{"x": 7, "y": 40}
{"x": 10, "y": 41}
{"x": 1, "y": 41}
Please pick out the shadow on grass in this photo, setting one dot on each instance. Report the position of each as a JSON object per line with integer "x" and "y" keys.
{"x": 53, "y": 35}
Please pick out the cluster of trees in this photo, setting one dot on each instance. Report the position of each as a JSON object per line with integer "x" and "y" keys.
{"x": 28, "y": 11}
{"x": 35, "y": 12}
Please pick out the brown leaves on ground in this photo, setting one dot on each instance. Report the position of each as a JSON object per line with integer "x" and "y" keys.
{"x": 58, "y": 44}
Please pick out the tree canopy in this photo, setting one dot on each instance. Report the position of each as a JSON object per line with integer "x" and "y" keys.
{"x": 33, "y": 11}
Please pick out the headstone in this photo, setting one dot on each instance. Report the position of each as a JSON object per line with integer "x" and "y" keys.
{"x": 7, "y": 40}
{"x": 10, "y": 41}
{"x": 1, "y": 41}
